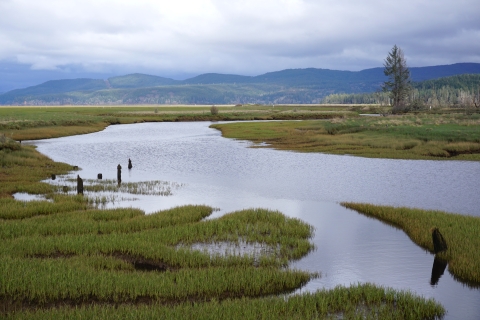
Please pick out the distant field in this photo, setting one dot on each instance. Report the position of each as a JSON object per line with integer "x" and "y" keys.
{"x": 24, "y": 123}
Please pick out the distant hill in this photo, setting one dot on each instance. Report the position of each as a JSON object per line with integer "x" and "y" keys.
{"x": 287, "y": 86}
{"x": 60, "y": 86}
{"x": 435, "y": 72}
{"x": 138, "y": 80}
{"x": 217, "y": 78}
{"x": 462, "y": 81}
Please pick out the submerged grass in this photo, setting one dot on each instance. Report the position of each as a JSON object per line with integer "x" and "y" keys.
{"x": 429, "y": 136}
{"x": 460, "y": 231}
{"x": 154, "y": 188}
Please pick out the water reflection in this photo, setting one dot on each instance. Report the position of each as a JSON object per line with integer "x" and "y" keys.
{"x": 438, "y": 269}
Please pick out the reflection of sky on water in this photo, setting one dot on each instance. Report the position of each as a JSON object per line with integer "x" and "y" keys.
{"x": 224, "y": 174}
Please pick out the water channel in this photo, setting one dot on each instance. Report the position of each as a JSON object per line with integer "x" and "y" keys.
{"x": 229, "y": 175}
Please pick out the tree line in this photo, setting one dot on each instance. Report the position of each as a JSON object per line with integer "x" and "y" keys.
{"x": 456, "y": 91}
{"x": 420, "y": 97}
{"x": 404, "y": 95}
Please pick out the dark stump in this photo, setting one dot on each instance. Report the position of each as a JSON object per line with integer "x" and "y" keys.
{"x": 119, "y": 173}
{"x": 79, "y": 185}
{"x": 439, "y": 243}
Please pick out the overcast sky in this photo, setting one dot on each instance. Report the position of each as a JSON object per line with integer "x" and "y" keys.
{"x": 179, "y": 38}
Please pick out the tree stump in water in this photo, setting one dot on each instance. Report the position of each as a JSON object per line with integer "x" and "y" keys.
{"x": 439, "y": 243}
{"x": 119, "y": 173}
{"x": 79, "y": 185}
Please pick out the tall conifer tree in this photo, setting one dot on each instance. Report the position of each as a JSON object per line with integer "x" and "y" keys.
{"x": 398, "y": 83}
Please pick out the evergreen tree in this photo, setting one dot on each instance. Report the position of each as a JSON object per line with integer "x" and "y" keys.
{"x": 398, "y": 83}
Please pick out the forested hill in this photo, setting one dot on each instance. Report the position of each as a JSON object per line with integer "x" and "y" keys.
{"x": 460, "y": 90}
{"x": 287, "y": 86}
{"x": 462, "y": 82}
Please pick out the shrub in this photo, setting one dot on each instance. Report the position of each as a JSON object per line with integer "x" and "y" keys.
{"x": 214, "y": 110}
{"x": 7, "y": 143}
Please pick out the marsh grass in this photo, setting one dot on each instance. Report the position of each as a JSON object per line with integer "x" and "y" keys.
{"x": 440, "y": 137}
{"x": 154, "y": 188}
{"x": 29, "y": 123}
{"x": 63, "y": 258}
{"x": 49, "y": 259}
{"x": 356, "y": 302}
{"x": 460, "y": 232}
{"x": 23, "y": 168}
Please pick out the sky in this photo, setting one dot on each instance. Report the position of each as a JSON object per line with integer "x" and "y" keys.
{"x": 184, "y": 38}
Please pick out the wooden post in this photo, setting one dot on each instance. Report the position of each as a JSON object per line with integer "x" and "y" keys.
{"x": 79, "y": 185}
{"x": 129, "y": 164}
{"x": 439, "y": 243}
{"x": 53, "y": 177}
{"x": 119, "y": 173}
{"x": 99, "y": 176}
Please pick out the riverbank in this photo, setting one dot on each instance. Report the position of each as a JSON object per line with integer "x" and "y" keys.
{"x": 444, "y": 135}
{"x": 459, "y": 231}
{"x": 67, "y": 259}
{"x": 417, "y": 137}
{"x": 31, "y": 123}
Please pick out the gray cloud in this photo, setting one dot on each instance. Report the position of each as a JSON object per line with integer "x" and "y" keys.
{"x": 235, "y": 36}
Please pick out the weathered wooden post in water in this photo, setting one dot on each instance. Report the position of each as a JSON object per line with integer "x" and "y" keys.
{"x": 129, "y": 164}
{"x": 54, "y": 177}
{"x": 119, "y": 173}
{"x": 439, "y": 243}
{"x": 79, "y": 185}
{"x": 99, "y": 176}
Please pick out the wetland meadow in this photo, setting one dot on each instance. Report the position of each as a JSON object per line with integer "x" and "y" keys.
{"x": 254, "y": 227}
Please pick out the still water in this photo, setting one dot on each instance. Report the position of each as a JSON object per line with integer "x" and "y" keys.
{"x": 229, "y": 175}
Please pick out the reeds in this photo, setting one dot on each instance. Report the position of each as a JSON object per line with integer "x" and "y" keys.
{"x": 155, "y": 187}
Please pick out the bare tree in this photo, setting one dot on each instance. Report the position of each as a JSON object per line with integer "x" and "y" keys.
{"x": 476, "y": 98}
{"x": 398, "y": 83}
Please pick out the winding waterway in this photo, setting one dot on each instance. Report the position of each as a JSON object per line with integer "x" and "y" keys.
{"x": 228, "y": 175}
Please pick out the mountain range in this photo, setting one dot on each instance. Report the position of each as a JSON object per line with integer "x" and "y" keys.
{"x": 287, "y": 86}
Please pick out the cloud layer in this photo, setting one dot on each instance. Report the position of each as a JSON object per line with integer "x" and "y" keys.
{"x": 236, "y": 36}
